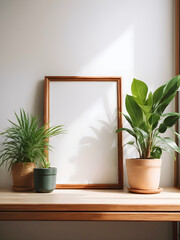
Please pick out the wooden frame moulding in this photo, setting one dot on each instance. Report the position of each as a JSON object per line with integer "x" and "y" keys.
{"x": 177, "y": 54}
{"x": 177, "y": 72}
{"x": 49, "y": 79}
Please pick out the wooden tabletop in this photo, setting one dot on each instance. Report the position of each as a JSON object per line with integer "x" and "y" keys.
{"x": 90, "y": 205}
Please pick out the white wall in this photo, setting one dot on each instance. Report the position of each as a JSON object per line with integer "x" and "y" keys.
{"x": 132, "y": 38}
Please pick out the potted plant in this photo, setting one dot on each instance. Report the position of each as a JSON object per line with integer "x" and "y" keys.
{"x": 148, "y": 123}
{"x": 23, "y": 146}
{"x": 44, "y": 175}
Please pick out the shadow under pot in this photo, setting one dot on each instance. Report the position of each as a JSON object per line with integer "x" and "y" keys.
{"x": 45, "y": 179}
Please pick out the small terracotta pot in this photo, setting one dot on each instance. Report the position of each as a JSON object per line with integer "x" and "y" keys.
{"x": 22, "y": 174}
{"x": 143, "y": 173}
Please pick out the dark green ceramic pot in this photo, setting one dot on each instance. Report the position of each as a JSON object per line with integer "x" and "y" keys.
{"x": 45, "y": 179}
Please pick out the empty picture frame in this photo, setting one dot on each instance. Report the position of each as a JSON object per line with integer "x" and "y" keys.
{"x": 89, "y": 154}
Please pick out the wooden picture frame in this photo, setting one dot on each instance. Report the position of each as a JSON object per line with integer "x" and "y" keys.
{"x": 177, "y": 98}
{"x": 63, "y": 97}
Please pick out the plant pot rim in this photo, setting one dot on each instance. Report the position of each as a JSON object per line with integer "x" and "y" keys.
{"x": 143, "y": 159}
{"x": 22, "y": 164}
{"x": 45, "y": 171}
{"x": 19, "y": 162}
{"x": 46, "y": 168}
{"x": 155, "y": 162}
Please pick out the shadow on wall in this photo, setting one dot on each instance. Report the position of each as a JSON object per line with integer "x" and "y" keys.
{"x": 38, "y": 101}
{"x": 97, "y": 158}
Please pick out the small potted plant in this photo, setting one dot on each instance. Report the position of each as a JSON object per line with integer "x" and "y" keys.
{"x": 44, "y": 175}
{"x": 23, "y": 147}
{"x": 148, "y": 123}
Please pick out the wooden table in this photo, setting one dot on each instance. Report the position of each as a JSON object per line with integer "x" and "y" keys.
{"x": 90, "y": 205}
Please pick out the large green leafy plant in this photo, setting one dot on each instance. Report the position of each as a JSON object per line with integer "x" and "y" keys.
{"x": 147, "y": 118}
{"x": 25, "y": 141}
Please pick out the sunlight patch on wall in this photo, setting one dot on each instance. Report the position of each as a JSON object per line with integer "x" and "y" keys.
{"x": 116, "y": 59}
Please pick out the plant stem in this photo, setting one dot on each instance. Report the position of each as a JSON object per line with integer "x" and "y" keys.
{"x": 149, "y": 141}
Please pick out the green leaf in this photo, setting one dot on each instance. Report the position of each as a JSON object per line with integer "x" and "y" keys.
{"x": 158, "y": 94}
{"x": 177, "y": 134}
{"x": 128, "y": 119}
{"x": 144, "y": 126}
{"x": 127, "y": 130}
{"x": 162, "y": 128}
{"x": 134, "y": 111}
{"x": 142, "y": 132}
{"x": 162, "y": 105}
{"x": 145, "y": 108}
{"x": 132, "y": 143}
{"x": 149, "y": 101}
{"x": 170, "y": 143}
{"x": 139, "y": 91}
{"x": 171, "y": 114}
{"x": 141, "y": 137}
{"x": 156, "y": 152}
{"x": 170, "y": 121}
{"x": 169, "y": 93}
{"x": 171, "y": 87}
{"x": 129, "y": 143}
{"x": 154, "y": 120}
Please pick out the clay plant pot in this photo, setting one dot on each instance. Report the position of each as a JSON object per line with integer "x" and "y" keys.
{"x": 22, "y": 174}
{"x": 144, "y": 174}
{"x": 45, "y": 179}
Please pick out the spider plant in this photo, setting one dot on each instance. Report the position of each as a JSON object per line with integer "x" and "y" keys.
{"x": 147, "y": 118}
{"x": 25, "y": 141}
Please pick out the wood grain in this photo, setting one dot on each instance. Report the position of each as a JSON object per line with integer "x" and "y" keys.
{"x": 177, "y": 37}
{"x": 90, "y": 200}
{"x": 120, "y": 137}
{"x": 88, "y": 186}
{"x": 177, "y": 72}
{"x": 46, "y": 100}
{"x": 89, "y": 216}
{"x": 90, "y": 205}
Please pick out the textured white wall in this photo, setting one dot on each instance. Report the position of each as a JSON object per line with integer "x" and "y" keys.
{"x": 132, "y": 38}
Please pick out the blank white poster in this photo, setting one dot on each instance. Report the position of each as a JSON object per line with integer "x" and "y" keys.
{"x": 88, "y": 152}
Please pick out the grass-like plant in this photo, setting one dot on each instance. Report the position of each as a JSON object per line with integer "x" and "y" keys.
{"x": 25, "y": 141}
{"x": 147, "y": 118}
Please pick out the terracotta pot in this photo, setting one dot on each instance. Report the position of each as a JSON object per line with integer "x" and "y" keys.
{"x": 22, "y": 174}
{"x": 143, "y": 173}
